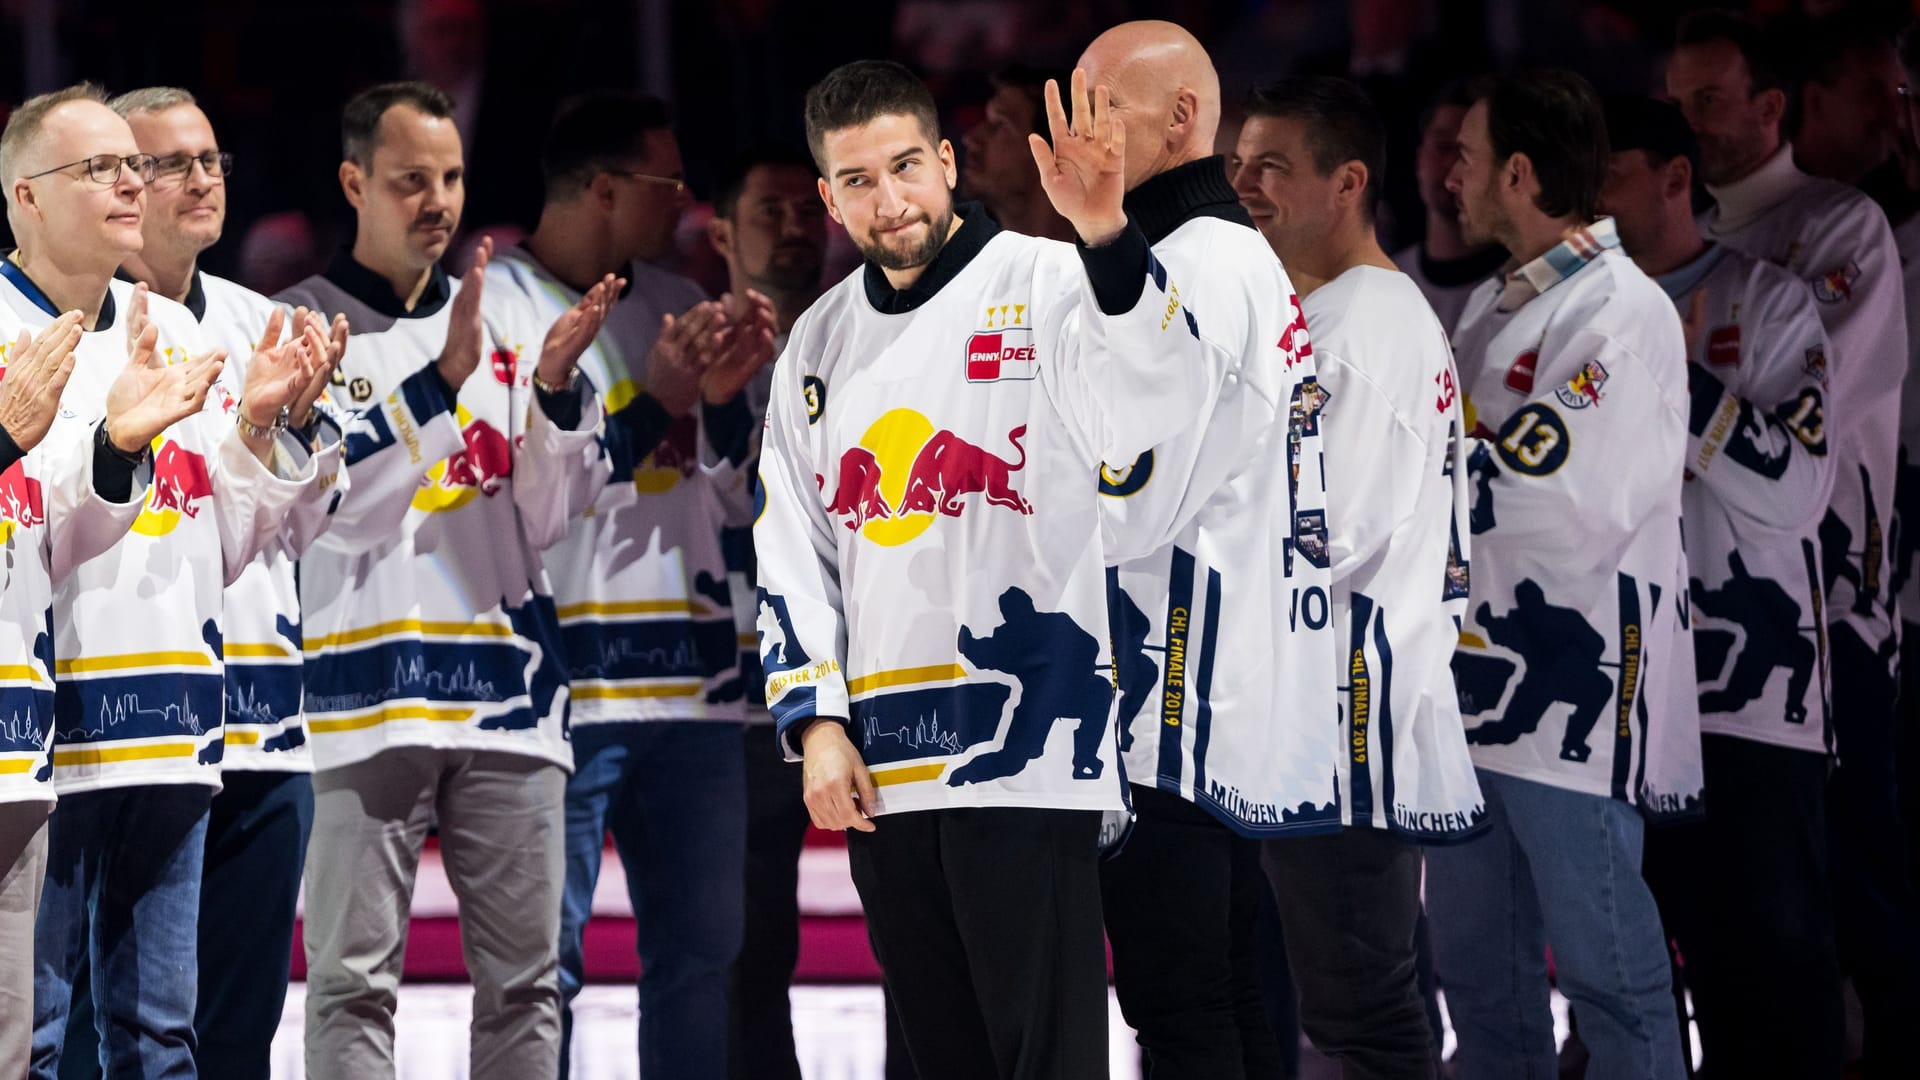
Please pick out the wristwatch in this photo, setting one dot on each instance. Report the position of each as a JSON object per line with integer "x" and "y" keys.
{"x": 254, "y": 431}
{"x": 545, "y": 387}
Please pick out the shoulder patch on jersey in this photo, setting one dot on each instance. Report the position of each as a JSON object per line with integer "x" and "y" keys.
{"x": 361, "y": 389}
{"x": 1585, "y": 388}
{"x": 1816, "y": 364}
{"x": 1520, "y": 375}
{"x": 1120, "y": 483}
{"x": 1836, "y": 285}
{"x": 814, "y": 390}
{"x": 1723, "y": 346}
{"x": 1534, "y": 441}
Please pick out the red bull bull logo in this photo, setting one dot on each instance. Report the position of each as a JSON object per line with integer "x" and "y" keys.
{"x": 675, "y": 459}
{"x": 181, "y": 484}
{"x": 479, "y": 469}
{"x": 21, "y": 503}
{"x": 904, "y": 474}
{"x": 1294, "y": 344}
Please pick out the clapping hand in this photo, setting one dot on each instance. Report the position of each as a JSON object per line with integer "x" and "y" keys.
{"x": 35, "y": 377}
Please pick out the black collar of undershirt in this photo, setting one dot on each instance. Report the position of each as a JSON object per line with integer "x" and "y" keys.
{"x": 372, "y": 290}
{"x": 1198, "y": 189}
{"x": 195, "y": 302}
{"x": 976, "y": 228}
{"x": 1465, "y": 270}
{"x": 38, "y": 296}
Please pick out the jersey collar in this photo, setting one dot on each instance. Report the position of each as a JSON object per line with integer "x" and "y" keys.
{"x": 1198, "y": 189}
{"x": 976, "y": 228}
{"x": 195, "y": 302}
{"x": 1560, "y": 262}
{"x": 372, "y": 290}
{"x": 19, "y": 279}
{"x": 1682, "y": 280}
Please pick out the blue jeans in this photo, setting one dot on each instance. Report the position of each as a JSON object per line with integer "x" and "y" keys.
{"x": 123, "y": 898}
{"x": 1557, "y": 869}
{"x": 674, "y": 795}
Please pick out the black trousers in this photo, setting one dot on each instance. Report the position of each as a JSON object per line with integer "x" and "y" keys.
{"x": 761, "y": 1028}
{"x": 986, "y": 922}
{"x": 1181, "y": 900}
{"x": 1744, "y": 897}
{"x": 1876, "y": 914}
{"x": 1349, "y": 908}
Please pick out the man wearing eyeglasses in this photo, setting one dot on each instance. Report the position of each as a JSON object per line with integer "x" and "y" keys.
{"x": 257, "y": 828}
{"x": 640, "y": 580}
{"x": 137, "y": 630}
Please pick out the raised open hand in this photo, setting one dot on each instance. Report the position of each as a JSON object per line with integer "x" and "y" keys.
{"x": 35, "y": 377}
{"x": 149, "y": 395}
{"x": 681, "y": 355}
{"x": 1084, "y": 171}
{"x": 745, "y": 346}
{"x": 466, "y": 335}
{"x": 575, "y": 329}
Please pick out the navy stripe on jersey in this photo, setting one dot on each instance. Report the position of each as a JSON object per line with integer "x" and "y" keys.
{"x": 1203, "y": 682}
{"x": 1383, "y": 717}
{"x": 1627, "y": 686}
{"x": 649, "y": 649}
{"x": 262, "y": 693}
{"x": 399, "y": 669}
{"x": 425, "y": 396}
{"x": 1819, "y": 599}
{"x": 26, "y": 715}
{"x": 1173, "y": 681}
{"x": 939, "y": 721}
{"x": 145, "y": 706}
{"x": 1360, "y": 698}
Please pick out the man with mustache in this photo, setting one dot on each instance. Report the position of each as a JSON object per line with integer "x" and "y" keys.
{"x": 651, "y": 650}
{"x": 434, "y": 686}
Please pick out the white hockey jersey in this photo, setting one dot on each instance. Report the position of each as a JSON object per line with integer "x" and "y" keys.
{"x": 736, "y": 545}
{"x": 429, "y": 621}
{"x": 265, "y": 729}
{"x": 1758, "y": 477}
{"x": 51, "y": 519}
{"x": 1397, "y": 524}
{"x": 929, "y": 532}
{"x": 645, "y": 613}
{"x": 138, "y": 629}
{"x": 1904, "y": 546}
{"x": 1574, "y": 367}
{"x": 1222, "y": 645}
{"x": 1448, "y": 283}
{"x": 1837, "y": 241}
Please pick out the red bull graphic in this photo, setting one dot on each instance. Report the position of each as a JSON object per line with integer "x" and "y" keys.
{"x": 1294, "y": 344}
{"x": 480, "y": 469}
{"x": 904, "y": 474}
{"x": 676, "y": 458}
{"x": 181, "y": 483}
{"x": 21, "y": 503}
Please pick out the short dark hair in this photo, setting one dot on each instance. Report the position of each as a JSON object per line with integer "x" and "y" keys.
{"x": 726, "y": 197}
{"x": 860, "y": 92}
{"x": 1031, "y": 81}
{"x": 1554, "y": 118}
{"x": 1657, "y": 128}
{"x": 593, "y": 133}
{"x": 1457, "y": 93}
{"x": 360, "y": 120}
{"x": 1764, "y": 69}
{"x": 1341, "y": 124}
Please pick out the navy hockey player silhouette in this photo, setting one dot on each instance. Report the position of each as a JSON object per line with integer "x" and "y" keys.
{"x": 1838, "y": 557}
{"x": 1563, "y": 655}
{"x": 1770, "y": 620}
{"x": 1053, "y": 659}
{"x": 1481, "y": 468}
{"x": 1133, "y": 667}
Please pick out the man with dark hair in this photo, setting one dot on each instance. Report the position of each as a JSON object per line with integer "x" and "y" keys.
{"x": 639, "y": 578}
{"x": 434, "y": 689}
{"x": 1848, "y": 98}
{"x": 1838, "y": 242}
{"x": 997, "y": 169}
{"x": 1308, "y": 168}
{"x": 928, "y": 487}
{"x": 1759, "y": 474}
{"x": 1442, "y": 265}
{"x": 1573, "y": 364}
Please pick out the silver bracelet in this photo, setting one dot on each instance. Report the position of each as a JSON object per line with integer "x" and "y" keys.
{"x": 254, "y": 431}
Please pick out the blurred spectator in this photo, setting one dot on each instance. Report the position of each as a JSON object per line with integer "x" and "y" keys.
{"x": 997, "y": 167}
{"x": 279, "y": 250}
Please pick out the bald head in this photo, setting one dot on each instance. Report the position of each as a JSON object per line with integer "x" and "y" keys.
{"x": 1164, "y": 89}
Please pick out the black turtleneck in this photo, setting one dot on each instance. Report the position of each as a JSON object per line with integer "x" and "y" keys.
{"x": 1198, "y": 189}
{"x": 374, "y": 291}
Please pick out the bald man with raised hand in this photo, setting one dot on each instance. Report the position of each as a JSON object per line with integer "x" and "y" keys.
{"x": 1219, "y": 598}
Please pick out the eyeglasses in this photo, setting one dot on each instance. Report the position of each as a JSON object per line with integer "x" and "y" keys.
{"x": 104, "y": 169}
{"x": 678, "y": 186}
{"x": 178, "y": 166}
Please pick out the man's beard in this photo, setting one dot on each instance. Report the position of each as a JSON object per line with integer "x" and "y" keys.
{"x": 796, "y": 274}
{"x": 888, "y": 259}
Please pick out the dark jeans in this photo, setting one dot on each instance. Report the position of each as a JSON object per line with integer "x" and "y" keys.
{"x": 122, "y": 896}
{"x": 762, "y": 1028}
{"x": 986, "y": 921}
{"x": 1744, "y": 896}
{"x": 1876, "y": 914}
{"x": 1180, "y": 899}
{"x": 1349, "y": 906}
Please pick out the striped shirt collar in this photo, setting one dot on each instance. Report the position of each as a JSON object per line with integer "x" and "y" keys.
{"x": 1560, "y": 262}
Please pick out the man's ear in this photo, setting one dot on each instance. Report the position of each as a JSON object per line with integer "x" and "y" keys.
{"x": 1353, "y": 182}
{"x": 720, "y": 235}
{"x": 947, "y": 165}
{"x": 353, "y": 183}
{"x": 1772, "y": 103}
{"x": 826, "y": 196}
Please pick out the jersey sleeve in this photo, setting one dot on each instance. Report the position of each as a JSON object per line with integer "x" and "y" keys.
{"x": 1578, "y": 467}
{"x": 1133, "y": 366}
{"x": 251, "y": 501}
{"x": 1856, "y": 284}
{"x": 312, "y": 513}
{"x": 1764, "y": 455}
{"x": 803, "y": 629}
{"x": 385, "y": 450}
{"x": 81, "y": 523}
{"x": 555, "y": 468}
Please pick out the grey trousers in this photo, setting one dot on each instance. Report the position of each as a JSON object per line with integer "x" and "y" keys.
{"x": 23, "y": 873}
{"x": 502, "y": 839}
